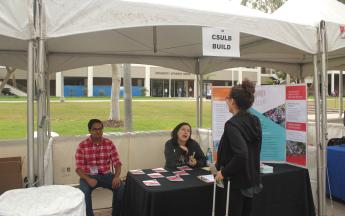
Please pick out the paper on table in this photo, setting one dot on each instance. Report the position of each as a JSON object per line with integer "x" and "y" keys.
{"x": 159, "y": 170}
{"x": 206, "y": 178}
{"x": 155, "y": 175}
{"x": 137, "y": 172}
{"x": 174, "y": 178}
{"x": 184, "y": 168}
{"x": 181, "y": 172}
{"x": 152, "y": 182}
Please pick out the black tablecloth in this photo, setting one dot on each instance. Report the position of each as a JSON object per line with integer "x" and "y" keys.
{"x": 286, "y": 192}
{"x": 190, "y": 197}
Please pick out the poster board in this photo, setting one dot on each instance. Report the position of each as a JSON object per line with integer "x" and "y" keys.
{"x": 296, "y": 124}
{"x": 282, "y": 111}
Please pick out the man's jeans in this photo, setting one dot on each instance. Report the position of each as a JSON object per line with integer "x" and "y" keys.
{"x": 104, "y": 181}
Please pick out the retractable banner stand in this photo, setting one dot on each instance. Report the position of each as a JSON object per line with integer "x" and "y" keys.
{"x": 296, "y": 124}
{"x": 269, "y": 106}
{"x": 282, "y": 111}
{"x": 220, "y": 114}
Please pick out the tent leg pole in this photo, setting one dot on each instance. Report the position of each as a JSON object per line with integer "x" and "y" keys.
{"x": 198, "y": 93}
{"x": 341, "y": 106}
{"x": 200, "y": 103}
{"x": 323, "y": 155}
{"x": 30, "y": 115}
{"x": 127, "y": 81}
{"x": 317, "y": 130}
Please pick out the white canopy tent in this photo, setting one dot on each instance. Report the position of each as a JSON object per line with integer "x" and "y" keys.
{"x": 81, "y": 33}
{"x": 167, "y": 33}
{"x": 328, "y": 15}
{"x": 16, "y": 28}
{"x": 90, "y": 32}
{"x": 17, "y": 50}
{"x": 311, "y": 12}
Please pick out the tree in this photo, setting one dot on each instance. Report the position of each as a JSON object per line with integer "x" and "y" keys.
{"x": 268, "y": 6}
{"x": 342, "y": 1}
{"x": 114, "y": 116}
{"x": 115, "y": 92}
{"x": 9, "y": 72}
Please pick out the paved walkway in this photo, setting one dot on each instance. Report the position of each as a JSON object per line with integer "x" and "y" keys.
{"x": 97, "y": 101}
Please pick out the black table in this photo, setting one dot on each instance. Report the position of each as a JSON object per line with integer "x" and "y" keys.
{"x": 171, "y": 198}
{"x": 286, "y": 192}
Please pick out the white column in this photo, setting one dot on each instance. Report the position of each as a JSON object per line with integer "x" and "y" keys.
{"x": 258, "y": 77}
{"x": 186, "y": 89}
{"x": 59, "y": 88}
{"x": 288, "y": 79}
{"x": 170, "y": 84}
{"x": 239, "y": 76}
{"x": 195, "y": 86}
{"x": 58, "y": 84}
{"x": 90, "y": 81}
{"x": 332, "y": 82}
{"x": 147, "y": 80}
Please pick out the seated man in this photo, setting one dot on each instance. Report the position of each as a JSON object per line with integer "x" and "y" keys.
{"x": 94, "y": 156}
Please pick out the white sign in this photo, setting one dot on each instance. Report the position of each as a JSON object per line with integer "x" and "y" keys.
{"x": 220, "y": 42}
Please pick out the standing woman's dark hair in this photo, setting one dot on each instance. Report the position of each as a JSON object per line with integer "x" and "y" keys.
{"x": 243, "y": 94}
{"x": 175, "y": 131}
{"x": 238, "y": 156}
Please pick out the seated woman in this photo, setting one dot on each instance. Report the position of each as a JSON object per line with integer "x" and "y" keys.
{"x": 182, "y": 150}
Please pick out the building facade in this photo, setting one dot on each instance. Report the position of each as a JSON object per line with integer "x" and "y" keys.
{"x": 146, "y": 80}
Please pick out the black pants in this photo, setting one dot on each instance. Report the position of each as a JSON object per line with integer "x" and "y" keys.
{"x": 239, "y": 205}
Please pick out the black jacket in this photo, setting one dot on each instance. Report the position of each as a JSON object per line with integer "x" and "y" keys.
{"x": 175, "y": 156}
{"x": 238, "y": 155}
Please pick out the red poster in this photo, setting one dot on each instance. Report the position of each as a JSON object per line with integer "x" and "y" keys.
{"x": 296, "y": 92}
{"x": 296, "y": 124}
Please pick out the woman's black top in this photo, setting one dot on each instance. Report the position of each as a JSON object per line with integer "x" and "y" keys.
{"x": 238, "y": 155}
{"x": 175, "y": 156}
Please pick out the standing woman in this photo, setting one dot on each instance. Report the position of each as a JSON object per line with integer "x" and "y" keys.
{"x": 182, "y": 150}
{"x": 238, "y": 158}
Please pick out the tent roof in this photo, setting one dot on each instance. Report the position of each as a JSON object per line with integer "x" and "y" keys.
{"x": 311, "y": 12}
{"x": 15, "y": 30}
{"x": 100, "y": 32}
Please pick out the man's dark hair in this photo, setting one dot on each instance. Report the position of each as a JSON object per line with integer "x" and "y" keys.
{"x": 176, "y": 129}
{"x": 93, "y": 121}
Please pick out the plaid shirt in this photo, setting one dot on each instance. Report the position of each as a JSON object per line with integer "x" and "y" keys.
{"x": 102, "y": 155}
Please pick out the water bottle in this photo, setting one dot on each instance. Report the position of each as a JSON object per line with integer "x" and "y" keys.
{"x": 209, "y": 156}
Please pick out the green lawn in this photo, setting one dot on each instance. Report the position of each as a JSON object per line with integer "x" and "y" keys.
{"x": 72, "y": 118}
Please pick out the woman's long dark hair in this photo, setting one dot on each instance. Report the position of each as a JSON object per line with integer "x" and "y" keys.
{"x": 243, "y": 94}
{"x": 176, "y": 129}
